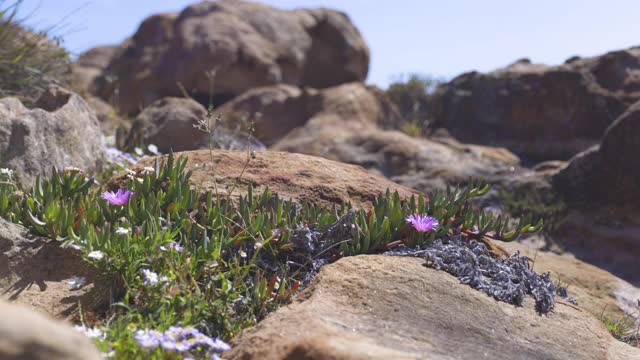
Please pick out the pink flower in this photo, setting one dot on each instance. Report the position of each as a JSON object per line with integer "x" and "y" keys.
{"x": 422, "y": 222}
{"x": 118, "y": 198}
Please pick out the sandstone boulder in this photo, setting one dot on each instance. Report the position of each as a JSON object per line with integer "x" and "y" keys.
{"x": 224, "y": 48}
{"x": 25, "y": 334}
{"x": 602, "y": 185}
{"x": 169, "y": 123}
{"x": 62, "y": 131}
{"x": 540, "y": 112}
{"x": 380, "y": 307}
{"x": 608, "y": 173}
{"x": 89, "y": 66}
{"x": 291, "y": 176}
{"x": 282, "y": 109}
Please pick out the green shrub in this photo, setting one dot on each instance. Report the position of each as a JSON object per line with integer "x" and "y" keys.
{"x": 29, "y": 60}
{"x": 535, "y": 204}
{"x": 412, "y": 97}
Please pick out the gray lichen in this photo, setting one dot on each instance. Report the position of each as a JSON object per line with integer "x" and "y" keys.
{"x": 509, "y": 279}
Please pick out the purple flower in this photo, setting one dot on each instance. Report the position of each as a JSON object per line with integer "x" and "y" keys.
{"x": 422, "y": 222}
{"x": 148, "y": 338}
{"x": 118, "y": 198}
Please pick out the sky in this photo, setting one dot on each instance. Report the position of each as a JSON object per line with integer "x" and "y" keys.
{"x": 432, "y": 37}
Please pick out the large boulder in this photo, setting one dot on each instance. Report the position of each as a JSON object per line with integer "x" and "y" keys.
{"x": 602, "y": 187}
{"x": 608, "y": 173}
{"x": 282, "y": 110}
{"x": 28, "y": 335}
{"x": 540, "y": 112}
{"x": 383, "y": 307}
{"x": 178, "y": 124}
{"x": 89, "y": 66}
{"x": 169, "y": 123}
{"x": 292, "y": 176}
{"x": 61, "y": 131}
{"x": 217, "y": 50}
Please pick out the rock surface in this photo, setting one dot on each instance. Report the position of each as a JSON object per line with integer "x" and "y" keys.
{"x": 62, "y": 131}
{"x": 25, "y": 334}
{"x": 602, "y": 184}
{"x": 608, "y": 173}
{"x": 540, "y": 112}
{"x": 422, "y": 164}
{"x": 169, "y": 123}
{"x": 284, "y": 109}
{"x": 238, "y": 45}
{"x": 291, "y": 176}
{"x": 89, "y": 66}
{"x": 596, "y": 290}
{"x": 380, "y": 307}
{"x": 35, "y": 271}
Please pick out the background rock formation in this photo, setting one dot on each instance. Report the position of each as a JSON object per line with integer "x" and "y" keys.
{"x": 538, "y": 111}
{"x": 61, "y": 131}
{"x": 224, "y": 48}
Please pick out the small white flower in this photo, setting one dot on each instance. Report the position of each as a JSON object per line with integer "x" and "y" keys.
{"x": 71, "y": 244}
{"x": 91, "y": 333}
{"x": 150, "y": 278}
{"x": 122, "y": 231}
{"x": 243, "y": 254}
{"x": 76, "y": 282}
{"x": 138, "y": 151}
{"x": 6, "y": 171}
{"x": 96, "y": 254}
{"x": 148, "y": 170}
{"x": 153, "y": 149}
{"x": 129, "y": 172}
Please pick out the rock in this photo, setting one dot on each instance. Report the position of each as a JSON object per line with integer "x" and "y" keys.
{"x": 540, "y": 112}
{"x": 602, "y": 187}
{"x": 25, "y": 334}
{"x": 62, "y": 131}
{"x": 609, "y": 173}
{"x": 224, "y": 48}
{"x": 292, "y": 176}
{"x": 169, "y": 123}
{"x": 106, "y": 114}
{"x": 89, "y": 66}
{"x": 422, "y": 164}
{"x": 284, "y": 108}
{"x": 35, "y": 271}
{"x": 596, "y": 290}
{"x": 382, "y": 307}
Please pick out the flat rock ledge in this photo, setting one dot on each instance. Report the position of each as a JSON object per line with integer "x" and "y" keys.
{"x": 383, "y": 307}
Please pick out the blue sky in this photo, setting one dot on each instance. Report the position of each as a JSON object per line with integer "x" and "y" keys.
{"x": 436, "y": 37}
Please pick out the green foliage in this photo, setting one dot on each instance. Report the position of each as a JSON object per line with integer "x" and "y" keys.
{"x": 412, "y": 97}
{"x": 28, "y": 60}
{"x": 625, "y": 329}
{"x": 221, "y": 281}
{"x": 535, "y": 205}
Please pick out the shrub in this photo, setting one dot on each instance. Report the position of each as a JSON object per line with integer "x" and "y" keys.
{"x": 29, "y": 60}
{"x": 412, "y": 97}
